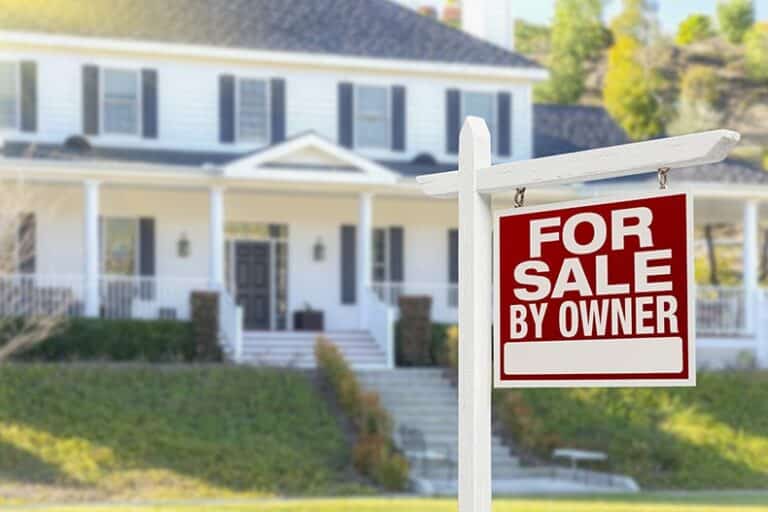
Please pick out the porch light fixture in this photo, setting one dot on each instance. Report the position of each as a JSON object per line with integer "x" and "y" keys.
{"x": 318, "y": 250}
{"x": 182, "y": 246}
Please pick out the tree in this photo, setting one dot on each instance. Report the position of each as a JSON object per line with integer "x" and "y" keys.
{"x": 735, "y": 17}
{"x": 697, "y": 108}
{"x": 637, "y": 20}
{"x": 531, "y": 38}
{"x": 695, "y": 27}
{"x": 629, "y": 90}
{"x": 29, "y": 312}
{"x": 756, "y": 51}
{"x": 577, "y": 35}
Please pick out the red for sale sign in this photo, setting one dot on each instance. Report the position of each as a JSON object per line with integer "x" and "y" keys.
{"x": 595, "y": 293}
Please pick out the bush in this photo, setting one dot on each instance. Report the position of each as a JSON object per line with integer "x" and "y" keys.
{"x": 700, "y": 83}
{"x": 451, "y": 352}
{"x": 735, "y": 17}
{"x": 756, "y": 52}
{"x": 415, "y": 330}
{"x": 204, "y": 307}
{"x": 374, "y": 454}
{"x": 696, "y": 27}
{"x": 95, "y": 339}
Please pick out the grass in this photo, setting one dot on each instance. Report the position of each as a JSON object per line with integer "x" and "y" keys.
{"x": 639, "y": 503}
{"x": 714, "y": 436}
{"x": 89, "y": 433}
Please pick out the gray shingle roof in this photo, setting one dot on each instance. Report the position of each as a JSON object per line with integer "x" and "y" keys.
{"x": 362, "y": 28}
{"x": 567, "y": 128}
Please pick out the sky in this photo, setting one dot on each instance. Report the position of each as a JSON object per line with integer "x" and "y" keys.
{"x": 671, "y": 12}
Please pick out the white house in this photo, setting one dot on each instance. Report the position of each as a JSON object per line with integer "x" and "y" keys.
{"x": 267, "y": 150}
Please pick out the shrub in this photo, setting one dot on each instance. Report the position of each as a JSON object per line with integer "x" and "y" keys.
{"x": 95, "y": 339}
{"x": 451, "y": 357}
{"x": 374, "y": 454}
{"x": 756, "y": 52}
{"x": 700, "y": 83}
{"x": 531, "y": 38}
{"x": 735, "y": 17}
{"x": 415, "y": 330}
{"x": 696, "y": 27}
{"x": 204, "y": 307}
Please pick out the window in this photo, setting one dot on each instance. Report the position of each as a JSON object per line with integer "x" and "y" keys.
{"x": 120, "y": 246}
{"x": 480, "y": 104}
{"x": 9, "y": 95}
{"x": 253, "y": 125}
{"x": 379, "y": 253}
{"x": 121, "y": 102}
{"x": 371, "y": 117}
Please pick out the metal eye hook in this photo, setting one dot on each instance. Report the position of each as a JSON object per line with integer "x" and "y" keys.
{"x": 663, "y": 178}
{"x": 519, "y": 197}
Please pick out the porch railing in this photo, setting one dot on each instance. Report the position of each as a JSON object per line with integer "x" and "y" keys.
{"x": 231, "y": 324}
{"x": 147, "y": 297}
{"x": 381, "y": 323}
{"x": 721, "y": 310}
{"x": 41, "y": 294}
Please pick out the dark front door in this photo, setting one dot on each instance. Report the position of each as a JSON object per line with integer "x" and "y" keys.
{"x": 253, "y": 283}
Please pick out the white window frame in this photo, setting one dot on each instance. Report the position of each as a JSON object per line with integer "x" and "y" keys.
{"x": 384, "y": 264}
{"x": 494, "y": 109}
{"x": 387, "y": 116}
{"x": 103, "y": 241}
{"x": 103, "y": 102}
{"x": 17, "y": 96}
{"x": 267, "y": 110}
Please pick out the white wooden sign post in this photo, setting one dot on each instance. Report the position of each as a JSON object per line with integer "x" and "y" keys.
{"x": 474, "y": 183}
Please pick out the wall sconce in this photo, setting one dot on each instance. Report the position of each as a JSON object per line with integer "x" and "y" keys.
{"x": 318, "y": 250}
{"x": 182, "y": 246}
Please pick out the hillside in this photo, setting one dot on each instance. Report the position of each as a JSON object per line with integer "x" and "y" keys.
{"x": 87, "y": 433}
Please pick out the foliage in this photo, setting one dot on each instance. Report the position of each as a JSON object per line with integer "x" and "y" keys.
{"x": 131, "y": 433}
{"x": 531, "y": 38}
{"x": 735, "y": 17}
{"x": 699, "y": 98}
{"x": 756, "y": 51}
{"x": 93, "y": 339}
{"x": 451, "y": 358}
{"x": 436, "y": 345}
{"x": 415, "y": 330}
{"x": 629, "y": 90}
{"x": 696, "y": 27}
{"x": 636, "y": 20}
{"x": 204, "y": 307}
{"x": 640, "y": 502}
{"x": 700, "y": 83}
{"x": 577, "y": 35}
{"x": 374, "y": 454}
{"x": 713, "y": 436}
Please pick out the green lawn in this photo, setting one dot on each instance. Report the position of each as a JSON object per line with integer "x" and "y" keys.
{"x": 88, "y": 433}
{"x": 713, "y": 436}
{"x": 640, "y": 503}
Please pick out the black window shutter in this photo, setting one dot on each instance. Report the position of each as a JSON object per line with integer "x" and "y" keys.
{"x": 348, "y": 265}
{"x": 453, "y": 255}
{"x": 227, "y": 109}
{"x": 396, "y": 254}
{"x": 346, "y": 113}
{"x": 398, "y": 118}
{"x": 277, "y": 95}
{"x": 147, "y": 256}
{"x": 91, "y": 100}
{"x": 29, "y": 96}
{"x": 27, "y": 233}
{"x": 452, "y": 120}
{"x": 504, "y": 104}
{"x": 149, "y": 103}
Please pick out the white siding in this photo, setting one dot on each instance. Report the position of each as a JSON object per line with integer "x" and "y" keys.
{"x": 188, "y": 102}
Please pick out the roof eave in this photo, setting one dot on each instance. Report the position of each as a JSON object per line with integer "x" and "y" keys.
{"x": 193, "y": 51}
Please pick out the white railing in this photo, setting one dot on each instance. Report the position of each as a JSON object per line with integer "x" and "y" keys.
{"x": 445, "y": 297}
{"x": 148, "y": 297}
{"x": 231, "y": 325}
{"x": 722, "y": 310}
{"x": 41, "y": 294}
{"x": 381, "y": 323}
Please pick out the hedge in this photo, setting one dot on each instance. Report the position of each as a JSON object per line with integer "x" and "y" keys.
{"x": 374, "y": 453}
{"x": 92, "y": 339}
{"x": 437, "y": 345}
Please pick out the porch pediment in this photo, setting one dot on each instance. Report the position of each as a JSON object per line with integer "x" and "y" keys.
{"x": 309, "y": 157}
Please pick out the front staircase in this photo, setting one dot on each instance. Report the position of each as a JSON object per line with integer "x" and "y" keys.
{"x": 296, "y": 349}
{"x": 423, "y": 399}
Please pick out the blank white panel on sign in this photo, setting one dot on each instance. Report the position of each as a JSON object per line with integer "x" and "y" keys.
{"x": 647, "y": 355}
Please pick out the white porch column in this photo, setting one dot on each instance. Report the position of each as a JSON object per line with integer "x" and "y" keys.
{"x": 91, "y": 249}
{"x": 364, "y": 264}
{"x": 216, "y": 238}
{"x": 750, "y": 264}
